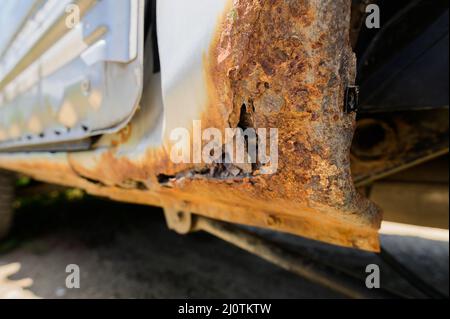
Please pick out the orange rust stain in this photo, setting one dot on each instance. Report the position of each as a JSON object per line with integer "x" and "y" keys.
{"x": 268, "y": 53}
{"x": 123, "y": 135}
{"x": 289, "y": 62}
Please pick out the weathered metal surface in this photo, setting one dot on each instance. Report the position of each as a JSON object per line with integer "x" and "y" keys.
{"x": 388, "y": 143}
{"x": 277, "y": 64}
{"x": 289, "y": 63}
{"x": 62, "y": 81}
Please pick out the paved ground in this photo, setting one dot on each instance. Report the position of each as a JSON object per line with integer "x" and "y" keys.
{"x": 125, "y": 251}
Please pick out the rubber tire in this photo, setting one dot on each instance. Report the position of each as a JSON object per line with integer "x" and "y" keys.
{"x": 6, "y": 200}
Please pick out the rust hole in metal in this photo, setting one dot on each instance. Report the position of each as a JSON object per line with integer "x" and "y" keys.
{"x": 246, "y": 121}
{"x": 245, "y": 118}
{"x": 164, "y": 179}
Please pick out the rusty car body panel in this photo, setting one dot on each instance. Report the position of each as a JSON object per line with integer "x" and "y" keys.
{"x": 283, "y": 64}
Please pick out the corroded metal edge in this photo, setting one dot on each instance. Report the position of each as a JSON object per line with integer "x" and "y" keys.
{"x": 288, "y": 62}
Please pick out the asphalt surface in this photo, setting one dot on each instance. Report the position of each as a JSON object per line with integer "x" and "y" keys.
{"x": 126, "y": 251}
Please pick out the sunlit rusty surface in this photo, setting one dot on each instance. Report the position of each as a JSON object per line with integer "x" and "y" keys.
{"x": 289, "y": 63}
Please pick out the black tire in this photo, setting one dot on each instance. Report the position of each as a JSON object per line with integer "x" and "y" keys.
{"x": 6, "y": 200}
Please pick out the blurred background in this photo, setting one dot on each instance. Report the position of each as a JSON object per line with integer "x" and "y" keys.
{"x": 126, "y": 251}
